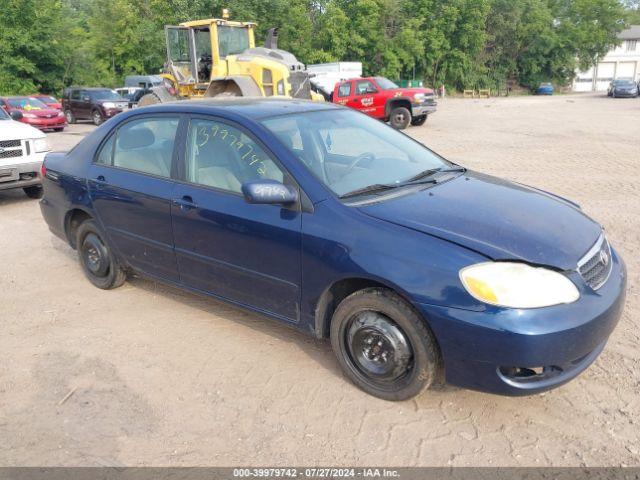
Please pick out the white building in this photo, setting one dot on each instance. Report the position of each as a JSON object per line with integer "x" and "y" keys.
{"x": 621, "y": 62}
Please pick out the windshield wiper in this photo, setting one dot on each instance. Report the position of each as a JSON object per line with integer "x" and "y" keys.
{"x": 420, "y": 179}
{"x": 432, "y": 171}
{"x": 376, "y": 187}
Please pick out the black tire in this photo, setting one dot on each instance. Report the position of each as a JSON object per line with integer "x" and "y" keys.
{"x": 96, "y": 258}
{"x": 387, "y": 370}
{"x": 96, "y": 116}
{"x": 400, "y": 118}
{"x": 35, "y": 191}
{"x": 71, "y": 118}
{"x": 58, "y": 129}
{"x": 417, "y": 121}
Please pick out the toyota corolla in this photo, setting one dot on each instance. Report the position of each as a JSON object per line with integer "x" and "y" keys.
{"x": 415, "y": 268}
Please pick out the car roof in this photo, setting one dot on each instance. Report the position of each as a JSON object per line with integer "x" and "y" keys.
{"x": 249, "y": 107}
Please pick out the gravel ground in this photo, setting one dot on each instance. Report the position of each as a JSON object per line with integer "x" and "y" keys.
{"x": 161, "y": 377}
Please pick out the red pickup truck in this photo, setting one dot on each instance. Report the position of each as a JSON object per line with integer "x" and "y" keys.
{"x": 380, "y": 98}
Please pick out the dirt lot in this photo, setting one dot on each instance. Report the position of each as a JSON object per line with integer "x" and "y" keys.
{"x": 161, "y": 377}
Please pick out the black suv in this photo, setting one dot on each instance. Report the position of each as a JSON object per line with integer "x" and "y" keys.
{"x": 97, "y": 104}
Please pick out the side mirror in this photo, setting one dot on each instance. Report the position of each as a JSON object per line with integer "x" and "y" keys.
{"x": 16, "y": 115}
{"x": 269, "y": 192}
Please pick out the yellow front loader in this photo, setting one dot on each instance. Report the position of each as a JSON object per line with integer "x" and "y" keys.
{"x": 218, "y": 57}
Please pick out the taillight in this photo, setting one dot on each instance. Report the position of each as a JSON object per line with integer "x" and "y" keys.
{"x": 43, "y": 170}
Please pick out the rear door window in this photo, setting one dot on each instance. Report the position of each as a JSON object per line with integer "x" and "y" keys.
{"x": 144, "y": 145}
{"x": 344, "y": 90}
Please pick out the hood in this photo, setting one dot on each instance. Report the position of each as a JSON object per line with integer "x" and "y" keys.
{"x": 43, "y": 112}
{"x": 413, "y": 90}
{"x": 497, "y": 218}
{"x": 12, "y": 130}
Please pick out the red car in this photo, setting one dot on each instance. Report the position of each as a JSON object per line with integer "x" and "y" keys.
{"x": 380, "y": 98}
{"x": 35, "y": 113}
{"x": 49, "y": 101}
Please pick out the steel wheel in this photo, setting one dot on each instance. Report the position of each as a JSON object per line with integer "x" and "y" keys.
{"x": 378, "y": 348}
{"x": 95, "y": 256}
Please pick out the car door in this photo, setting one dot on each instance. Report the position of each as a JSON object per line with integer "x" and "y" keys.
{"x": 77, "y": 104}
{"x": 363, "y": 97}
{"x": 246, "y": 253}
{"x": 131, "y": 189}
{"x": 344, "y": 93}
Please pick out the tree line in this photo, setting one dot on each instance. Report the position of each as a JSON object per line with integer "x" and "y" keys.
{"x": 46, "y": 45}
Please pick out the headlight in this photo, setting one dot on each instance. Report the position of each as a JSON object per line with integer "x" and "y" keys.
{"x": 419, "y": 97}
{"x": 517, "y": 285}
{"x": 60, "y": 114}
{"x": 41, "y": 145}
{"x": 28, "y": 115}
{"x": 109, "y": 105}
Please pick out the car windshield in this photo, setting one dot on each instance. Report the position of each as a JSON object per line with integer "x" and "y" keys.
{"x": 4, "y": 115}
{"x": 105, "y": 95}
{"x": 385, "y": 83}
{"x": 349, "y": 151}
{"x": 624, "y": 83}
{"x": 47, "y": 100}
{"x": 26, "y": 103}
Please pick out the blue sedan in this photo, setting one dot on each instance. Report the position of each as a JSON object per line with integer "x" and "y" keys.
{"x": 417, "y": 269}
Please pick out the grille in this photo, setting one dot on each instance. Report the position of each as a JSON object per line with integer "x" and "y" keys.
{"x": 9, "y": 143}
{"x": 300, "y": 84}
{"x": 10, "y": 153}
{"x": 596, "y": 265}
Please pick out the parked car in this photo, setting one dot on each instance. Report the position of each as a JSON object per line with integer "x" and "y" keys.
{"x": 34, "y": 113}
{"x": 334, "y": 223}
{"x": 127, "y": 92}
{"x": 380, "y": 98}
{"x": 143, "y": 81}
{"x": 96, "y": 104}
{"x": 22, "y": 149}
{"x": 623, "y": 88}
{"x": 545, "y": 89}
{"x": 49, "y": 101}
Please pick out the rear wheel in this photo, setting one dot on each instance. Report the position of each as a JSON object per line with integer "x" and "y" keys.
{"x": 96, "y": 116}
{"x": 417, "y": 121}
{"x": 400, "y": 118}
{"x": 58, "y": 129}
{"x": 96, "y": 259}
{"x": 34, "y": 191}
{"x": 71, "y": 118}
{"x": 383, "y": 346}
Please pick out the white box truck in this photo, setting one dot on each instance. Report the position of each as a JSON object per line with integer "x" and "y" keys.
{"x": 324, "y": 76}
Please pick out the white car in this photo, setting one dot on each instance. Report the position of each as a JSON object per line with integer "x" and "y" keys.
{"x": 22, "y": 149}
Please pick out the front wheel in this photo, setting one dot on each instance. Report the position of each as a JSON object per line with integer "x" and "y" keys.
{"x": 383, "y": 345}
{"x": 417, "y": 121}
{"x": 96, "y": 116}
{"x": 96, "y": 259}
{"x": 400, "y": 118}
{"x": 34, "y": 191}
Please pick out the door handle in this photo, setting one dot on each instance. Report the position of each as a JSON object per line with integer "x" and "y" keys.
{"x": 185, "y": 203}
